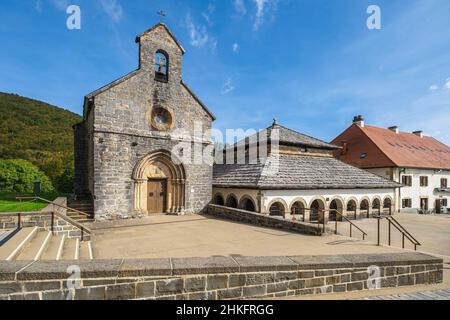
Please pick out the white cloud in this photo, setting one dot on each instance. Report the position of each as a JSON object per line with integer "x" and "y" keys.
{"x": 38, "y": 6}
{"x": 235, "y": 47}
{"x": 434, "y": 87}
{"x": 198, "y": 35}
{"x": 60, "y": 4}
{"x": 207, "y": 14}
{"x": 239, "y": 6}
{"x": 447, "y": 84}
{"x": 113, "y": 9}
{"x": 262, "y": 7}
{"x": 227, "y": 87}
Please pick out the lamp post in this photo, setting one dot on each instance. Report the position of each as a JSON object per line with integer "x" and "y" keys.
{"x": 37, "y": 186}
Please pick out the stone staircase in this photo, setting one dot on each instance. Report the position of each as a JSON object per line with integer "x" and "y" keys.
{"x": 83, "y": 206}
{"x": 31, "y": 244}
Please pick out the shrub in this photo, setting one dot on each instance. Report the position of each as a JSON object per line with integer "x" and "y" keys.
{"x": 19, "y": 176}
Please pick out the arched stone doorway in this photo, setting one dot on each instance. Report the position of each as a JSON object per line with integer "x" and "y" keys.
{"x": 218, "y": 200}
{"x": 364, "y": 208}
{"x": 277, "y": 209}
{"x": 336, "y": 205}
{"x": 387, "y": 206}
{"x": 376, "y": 207}
{"x": 351, "y": 209}
{"x": 247, "y": 204}
{"x": 298, "y": 209}
{"x": 317, "y": 208}
{"x": 159, "y": 184}
{"x": 232, "y": 201}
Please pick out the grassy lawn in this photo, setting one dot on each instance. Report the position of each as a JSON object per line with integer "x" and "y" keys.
{"x": 8, "y": 202}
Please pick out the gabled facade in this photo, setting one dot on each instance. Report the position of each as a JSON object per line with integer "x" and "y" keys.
{"x": 126, "y": 145}
{"x": 420, "y": 163}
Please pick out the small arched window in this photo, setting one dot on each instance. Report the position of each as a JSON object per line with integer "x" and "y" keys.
{"x": 161, "y": 66}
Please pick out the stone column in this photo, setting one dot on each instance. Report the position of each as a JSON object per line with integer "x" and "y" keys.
{"x": 182, "y": 188}
{"x": 138, "y": 186}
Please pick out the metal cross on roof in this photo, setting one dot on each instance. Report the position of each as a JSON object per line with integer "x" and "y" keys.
{"x": 162, "y": 14}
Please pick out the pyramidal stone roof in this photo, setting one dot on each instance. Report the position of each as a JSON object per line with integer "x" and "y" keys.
{"x": 291, "y": 137}
{"x": 297, "y": 172}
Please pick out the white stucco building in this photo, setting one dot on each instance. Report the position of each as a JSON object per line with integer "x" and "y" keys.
{"x": 420, "y": 163}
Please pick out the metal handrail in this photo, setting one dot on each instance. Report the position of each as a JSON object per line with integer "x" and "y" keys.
{"x": 56, "y": 204}
{"x": 69, "y": 220}
{"x": 336, "y": 221}
{"x": 405, "y": 234}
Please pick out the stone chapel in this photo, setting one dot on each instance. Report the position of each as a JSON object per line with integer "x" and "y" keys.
{"x": 124, "y": 148}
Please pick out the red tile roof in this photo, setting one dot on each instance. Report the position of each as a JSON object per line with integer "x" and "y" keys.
{"x": 404, "y": 149}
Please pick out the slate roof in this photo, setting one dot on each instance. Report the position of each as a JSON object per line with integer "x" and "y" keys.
{"x": 291, "y": 137}
{"x": 298, "y": 172}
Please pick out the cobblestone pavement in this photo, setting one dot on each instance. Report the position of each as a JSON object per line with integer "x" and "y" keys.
{"x": 443, "y": 294}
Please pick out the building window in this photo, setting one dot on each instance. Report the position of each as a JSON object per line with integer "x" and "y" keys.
{"x": 161, "y": 66}
{"x": 424, "y": 181}
{"x": 407, "y": 181}
{"x": 444, "y": 183}
{"x": 406, "y": 203}
{"x": 444, "y": 202}
{"x": 362, "y": 156}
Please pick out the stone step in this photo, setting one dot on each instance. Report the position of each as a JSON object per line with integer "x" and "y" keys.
{"x": 53, "y": 248}
{"x": 5, "y": 235}
{"x": 70, "y": 249}
{"x": 85, "y": 250}
{"x": 36, "y": 247}
{"x": 14, "y": 246}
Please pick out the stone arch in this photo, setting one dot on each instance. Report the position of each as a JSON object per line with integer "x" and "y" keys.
{"x": 364, "y": 207}
{"x": 160, "y": 166}
{"x": 351, "y": 207}
{"x": 232, "y": 201}
{"x": 316, "y": 206}
{"x": 219, "y": 199}
{"x": 298, "y": 207}
{"x": 376, "y": 205}
{"x": 282, "y": 207}
{"x": 337, "y": 203}
{"x": 387, "y": 204}
{"x": 162, "y": 65}
{"x": 247, "y": 203}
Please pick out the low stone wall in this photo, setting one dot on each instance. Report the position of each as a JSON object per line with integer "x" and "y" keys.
{"x": 263, "y": 220}
{"x": 44, "y": 220}
{"x": 215, "y": 277}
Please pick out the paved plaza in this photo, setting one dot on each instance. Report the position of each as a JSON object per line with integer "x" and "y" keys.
{"x": 199, "y": 236}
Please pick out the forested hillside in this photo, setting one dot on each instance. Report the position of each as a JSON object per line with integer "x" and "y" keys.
{"x": 40, "y": 133}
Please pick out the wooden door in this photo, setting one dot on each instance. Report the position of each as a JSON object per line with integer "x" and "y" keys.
{"x": 157, "y": 195}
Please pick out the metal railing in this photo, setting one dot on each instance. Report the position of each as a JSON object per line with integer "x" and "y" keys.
{"x": 69, "y": 220}
{"x": 393, "y": 222}
{"x": 322, "y": 221}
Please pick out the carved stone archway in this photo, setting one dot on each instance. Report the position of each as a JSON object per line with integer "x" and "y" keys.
{"x": 159, "y": 166}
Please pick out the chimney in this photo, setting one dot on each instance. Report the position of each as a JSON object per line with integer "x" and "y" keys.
{"x": 394, "y": 129}
{"x": 344, "y": 147}
{"x": 418, "y": 133}
{"x": 359, "y": 121}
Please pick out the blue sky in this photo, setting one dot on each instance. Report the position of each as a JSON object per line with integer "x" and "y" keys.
{"x": 312, "y": 64}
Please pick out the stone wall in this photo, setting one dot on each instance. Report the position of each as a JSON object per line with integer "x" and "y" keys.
{"x": 263, "y": 220}
{"x": 214, "y": 278}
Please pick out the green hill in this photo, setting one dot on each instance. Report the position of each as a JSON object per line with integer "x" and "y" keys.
{"x": 38, "y": 132}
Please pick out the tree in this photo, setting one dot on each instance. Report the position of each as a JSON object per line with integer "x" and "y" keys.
{"x": 19, "y": 176}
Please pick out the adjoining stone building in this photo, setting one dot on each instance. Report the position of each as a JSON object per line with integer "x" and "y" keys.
{"x": 124, "y": 148}
{"x": 298, "y": 173}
